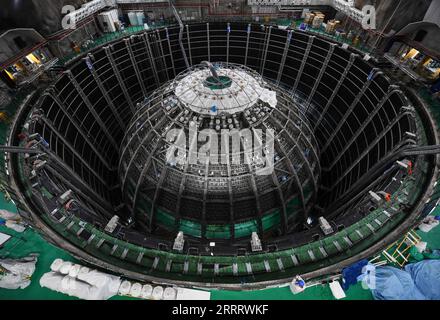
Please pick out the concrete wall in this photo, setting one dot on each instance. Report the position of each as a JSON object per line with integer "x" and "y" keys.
{"x": 433, "y": 13}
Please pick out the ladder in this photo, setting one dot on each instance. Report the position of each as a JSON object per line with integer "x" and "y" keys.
{"x": 398, "y": 253}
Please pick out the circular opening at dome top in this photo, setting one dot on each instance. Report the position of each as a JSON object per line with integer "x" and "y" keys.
{"x": 222, "y": 82}
{"x": 231, "y": 90}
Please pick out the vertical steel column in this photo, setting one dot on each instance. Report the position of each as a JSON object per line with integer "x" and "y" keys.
{"x": 230, "y": 192}
{"x": 105, "y": 93}
{"x": 120, "y": 80}
{"x": 294, "y": 177}
{"x": 336, "y": 90}
{"x": 133, "y": 154}
{"x": 283, "y": 212}
{"x": 140, "y": 179}
{"x": 278, "y": 186}
{"x": 228, "y": 31}
{"x": 205, "y": 195}
{"x": 303, "y": 63}
{"x": 189, "y": 45}
{"x": 91, "y": 109}
{"x": 209, "y": 44}
{"x": 146, "y": 38}
{"x": 165, "y": 69}
{"x": 295, "y": 143}
{"x": 171, "y": 52}
{"x": 321, "y": 73}
{"x": 266, "y": 48}
{"x": 247, "y": 44}
{"x": 284, "y": 57}
{"x": 254, "y": 186}
{"x": 191, "y": 146}
{"x": 163, "y": 174}
{"x": 135, "y": 66}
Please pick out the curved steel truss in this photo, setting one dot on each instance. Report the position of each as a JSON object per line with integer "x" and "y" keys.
{"x": 102, "y": 124}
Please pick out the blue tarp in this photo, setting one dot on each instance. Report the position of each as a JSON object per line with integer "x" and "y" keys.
{"x": 394, "y": 284}
{"x": 419, "y": 281}
{"x": 426, "y": 277}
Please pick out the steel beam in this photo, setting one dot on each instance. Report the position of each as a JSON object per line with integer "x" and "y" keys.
{"x": 367, "y": 150}
{"x": 171, "y": 52}
{"x": 363, "y": 126}
{"x": 120, "y": 80}
{"x": 105, "y": 93}
{"x": 266, "y": 47}
{"x": 191, "y": 146}
{"x": 135, "y": 66}
{"x": 92, "y": 110}
{"x": 303, "y": 64}
{"x": 228, "y": 31}
{"x": 165, "y": 67}
{"x": 147, "y": 44}
{"x": 347, "y": 114}
{"x": 189, "y": 45}
{"x": 52, "y": 95}
{"x": 15, "y": 149}
{"x": 336, "y": 90}
{"x": 284, "y": 57}
{"x": 163, "y": 174}
{"x": 247, "y": 44}
{"x": 208, "y": 43}
{"x": 321, "y": 74}
{"x": 72, "y": 149}
{"x": 254, "y": 188}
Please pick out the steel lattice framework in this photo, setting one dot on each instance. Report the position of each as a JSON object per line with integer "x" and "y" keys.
{"x": 215, "y": 194}
{"x": 340, "y": 127}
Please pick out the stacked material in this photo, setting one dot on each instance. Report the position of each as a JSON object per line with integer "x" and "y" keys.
{"x": 309, "y": 18}
{"x": 318, "y": 20}
{"x": 79, "y": 281}
{"x": 331, "y": 26}
{"x": 137, "y": 290}
{"x": 147, "y": 291}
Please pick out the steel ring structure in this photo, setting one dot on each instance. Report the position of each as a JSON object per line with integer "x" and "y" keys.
{"x": 349, "y": 146}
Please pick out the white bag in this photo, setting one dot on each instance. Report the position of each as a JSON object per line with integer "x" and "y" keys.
{"x": 17, "y": 273}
